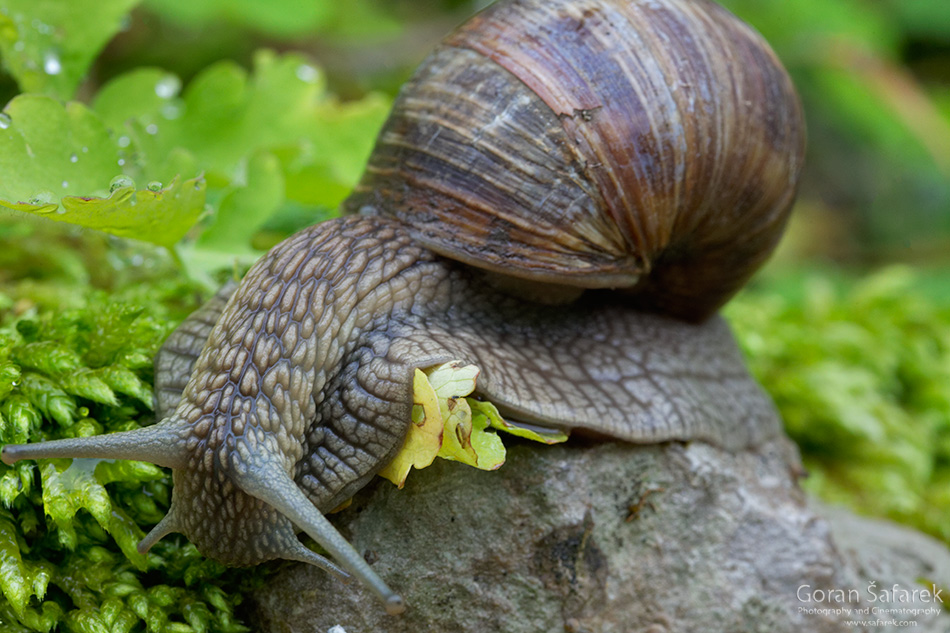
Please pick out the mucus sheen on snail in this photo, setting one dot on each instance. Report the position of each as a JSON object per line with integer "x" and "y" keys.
{"x": 631, "y": 161}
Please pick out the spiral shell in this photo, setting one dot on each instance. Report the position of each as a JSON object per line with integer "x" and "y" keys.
{"x": 651, "y": 145}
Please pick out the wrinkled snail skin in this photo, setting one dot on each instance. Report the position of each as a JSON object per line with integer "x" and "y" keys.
{"x": 492, "y": 192}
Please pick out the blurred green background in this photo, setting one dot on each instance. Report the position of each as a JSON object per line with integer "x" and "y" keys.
{"x": 268, "y": 108}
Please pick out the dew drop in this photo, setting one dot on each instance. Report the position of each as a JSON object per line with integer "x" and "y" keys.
{"x": 119, "y": 182}
{"x": 73, "y": 158}
{"x": 168, "y": 86}
{"x": 306, "y": 72}
{"x": 65, "y": 184}
{"x": 85, "y": 150}
{"x": 51, "y": 64}
{"x": 41, "y": 27}
{"x": 151, "y": 128}
{"x": 124, "y": 141}
{"x": 121, "y": 162}
{"x": 154, "y": 186}
{"x": 171, "y": 111}
{"x": 42, "y": 197}
{"x": 5, "y": 121}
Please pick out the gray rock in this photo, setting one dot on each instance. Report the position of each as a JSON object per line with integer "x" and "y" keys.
{"x": 606, "y": 537}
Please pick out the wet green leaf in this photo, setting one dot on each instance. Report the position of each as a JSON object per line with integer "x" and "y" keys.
{"x": 38, "y": 146}
{"x": 48, "y": 45}
{"x": 160, "y": 214}
{"x": 60, "y": 162}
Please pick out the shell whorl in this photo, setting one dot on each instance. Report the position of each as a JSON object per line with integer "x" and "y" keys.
{"x": 619, "y": 143}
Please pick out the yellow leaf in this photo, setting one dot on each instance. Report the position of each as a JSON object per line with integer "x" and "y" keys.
{"x": 424, "y": 437}
{"x": 457, "y": 438}
{"x": 465, "y": 439}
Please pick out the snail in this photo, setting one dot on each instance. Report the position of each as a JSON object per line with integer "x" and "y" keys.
{"x": 564, "y": 194}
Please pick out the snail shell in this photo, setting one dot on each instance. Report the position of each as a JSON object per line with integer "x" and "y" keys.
{"x": 651, "y": 146}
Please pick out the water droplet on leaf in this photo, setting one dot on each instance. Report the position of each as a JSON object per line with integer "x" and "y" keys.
{"x": 73, "y": 158}
{"x": 65, "y": 184}
{"x": 120, "y": 181}
{"x": 306, "y": 72}
{"x": 124, "y": 141}
{"x": 5, "y": 121}
{"x": 43, "y": 197}
{"x": 154, "y": 186}
{"x": 171, "y": 111}
{"x": 51, "y": 63}
{"x": 168, "y": 87}
{"x": 151, "y": 128}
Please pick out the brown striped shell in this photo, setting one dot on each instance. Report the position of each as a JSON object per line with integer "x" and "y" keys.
{"x": 653, "y": 145}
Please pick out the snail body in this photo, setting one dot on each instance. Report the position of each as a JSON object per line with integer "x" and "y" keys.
{"x": 654, "y": 150}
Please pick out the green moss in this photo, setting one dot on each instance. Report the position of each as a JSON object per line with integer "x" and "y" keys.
{"x": 68, "y": 528}
{"x": 860, "y": 371}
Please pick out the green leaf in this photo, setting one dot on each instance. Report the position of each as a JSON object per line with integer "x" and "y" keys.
{"x": 488, "y": 411}
{"x": 49, "y": 150}
{"x": 244, "y": 210}
{"x": 462, "y": 440}
{"x": 261, "y": 138}
{"x": 282, "y": 18}
{"x": 159, "y": 214}
{"x": 48, "y": 45}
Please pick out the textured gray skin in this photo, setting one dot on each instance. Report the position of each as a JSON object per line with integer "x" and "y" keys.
{"x": 316, "y": 350}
